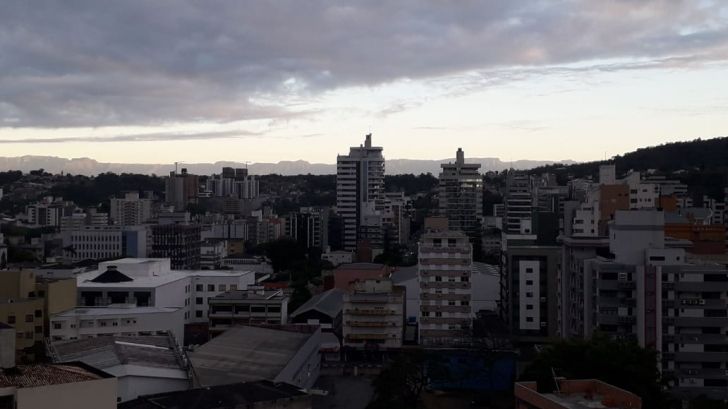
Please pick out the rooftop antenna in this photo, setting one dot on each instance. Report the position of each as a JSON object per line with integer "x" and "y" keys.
{"x": 175, "y": 166}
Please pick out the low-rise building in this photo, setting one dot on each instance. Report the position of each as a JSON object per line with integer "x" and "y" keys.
{"x": 105, "y": 242}
{"x": 142, "y": 365}
{"x": 261, "y": 394}
{"x": 254, "y": 306}
{"x": 374, "y": 315}
{"x": 243, "y": 354}
{"x": 71, "y": 385}
{"x": 121, "y": 320}
{"x": 571, "y": 394}
{"x": 347, "y": 274}
{"x": 324, "y": 309}
{"x": 212, "y": 253}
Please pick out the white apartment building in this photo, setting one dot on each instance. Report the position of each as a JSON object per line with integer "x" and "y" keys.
{"x": 130, "y": 210}
{"x": 120, "y": 320}
{"x": 104, "y": 242}
{"x": 445, "y": 270}
{"x": 152, "y": 283}
{"x": 373, "y": 315}
{"x": 48, "y": 213}
{"x": 248, "y": 188}
{"x": 461, "y": 195}
{"x": 359, "y": 189}
{"x": 212, "y": 252}
{"x": 586, "y": 220}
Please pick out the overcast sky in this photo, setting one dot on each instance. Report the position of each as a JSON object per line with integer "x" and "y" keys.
{"x": 156, "y": 81}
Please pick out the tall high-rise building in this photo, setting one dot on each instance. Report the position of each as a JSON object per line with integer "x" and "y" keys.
{"x": 181, "y": 189}
{"x": 360, "y": 192}
{"x": 461, "y": 195}
{"x": 131, "y": 210}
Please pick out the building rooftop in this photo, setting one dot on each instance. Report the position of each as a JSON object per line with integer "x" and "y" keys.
{"x": 246, "y": 353}
{"x": 32, "y": 376}
{"x": 244, "y": 394}
{"x": 329, "y": 302}
{"x": 360, "y": 266}
{"x": 114, "y": 309}
{"x": 578, "y": 394}
{"x": 250, "y": 295}
{"x": 107, "y": 352}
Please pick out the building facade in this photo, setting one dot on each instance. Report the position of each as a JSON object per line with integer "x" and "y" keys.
{"x": 461, "y": 195}
{"x": 254, "y": 306}
{"x": 373, "y": 315}
{"x": 130, "y": 210}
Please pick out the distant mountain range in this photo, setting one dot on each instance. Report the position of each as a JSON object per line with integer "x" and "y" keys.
{"x": 90, "y": 167}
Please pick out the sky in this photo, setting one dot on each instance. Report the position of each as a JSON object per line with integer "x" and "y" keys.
{"x": 139, "y": 81}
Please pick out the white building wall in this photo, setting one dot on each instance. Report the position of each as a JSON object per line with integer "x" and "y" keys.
{"x": 130, "y": 322}
{"x": 133, "y": 382}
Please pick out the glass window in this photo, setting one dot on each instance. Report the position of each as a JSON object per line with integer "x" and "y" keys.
{"x": 222, "y": 287}
{"x": 200, "y": 287}
{"x": 38, "y": 313}
{"x": 11, "y": 319}
{"x": 198, "y": 314}
{"x": 198, "y": 300}
{"x": 29, "y": 318}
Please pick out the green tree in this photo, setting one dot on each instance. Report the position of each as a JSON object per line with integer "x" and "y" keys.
{"x": 400, "y": 385}
{"x": 622, "y": 363}
{"x": 283, "y": 253}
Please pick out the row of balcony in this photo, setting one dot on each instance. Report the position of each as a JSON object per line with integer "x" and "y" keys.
{"x": 445, "y": 273}
{"x": 445, "y": 284}
{"x": 446, "y": 297}
{"x": 445, "y": 308}
{"x": 377, "y": 324}
{"x": 451, "y": 250}
{"x": 446, "y": 261}
{"x": 444, "y": 320}
{"x": 358, "y": 311}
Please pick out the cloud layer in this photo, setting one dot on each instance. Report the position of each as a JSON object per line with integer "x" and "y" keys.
{"x": 138, "y": 62}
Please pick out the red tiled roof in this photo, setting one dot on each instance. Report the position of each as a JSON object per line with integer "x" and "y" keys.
{"x": 31, "y": 376}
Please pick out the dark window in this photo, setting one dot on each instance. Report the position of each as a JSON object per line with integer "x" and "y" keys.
{"x": 274, "y": 309}
{"x": 11, "y": 319}
{"x": 211, "y": 287}
{"x": 529, "y": 319}
{"x": 29, "y": 318}
{"x": 29, "y": 335}
{"x": 529, "y": 295}
{"x": 200, "y": 287}
{"x": 198, "y": 314}
{"x": 38, "y": 313}
{"x": 529, "y": 282}
{"x": 38, "y": 329}
{"x": 529, "y": 306}
{"x": 198, "y": 300}
{"x": 56, "y": 325}
{"x": 257, "y": 309}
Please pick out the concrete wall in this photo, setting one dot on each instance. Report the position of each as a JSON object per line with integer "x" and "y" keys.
{"x": 7, "y": 347}
{"x": 98, "y": 394}
{"x": 131, "y": 387}
{"x": 303, "y": 369}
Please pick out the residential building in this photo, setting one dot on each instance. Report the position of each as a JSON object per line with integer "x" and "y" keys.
{"x": 212, "y": 253}
{"x": 254, "y": 306}
{"x": 324, "y": 309}
{"x": 461, "y": 195}
{"x": 572, "y": 394}
{"x": 245, "y": 354}
{"x": 518, "y": 203}
{"x": 142, "y": 365}
{"x": 130, "y": 210}
{"x": 261, "y": 394}
{"x": 42, "y": 386}
{"x": 45, "y": 213}
{"x": 247, "y": 188}
{"x": 105, "y": 242}
{"x": 179, "y": 242}
{"x": 360, "y": 191}
{"x": 445, "y": 270}
{"x": 309, "y": 227}
{"x": 373, "y": 315}
{"x": 181, "y": 189}
{"x": 345, "y": 275}
{"x": 120, "y": 320}
{"x": 338, "y": 257}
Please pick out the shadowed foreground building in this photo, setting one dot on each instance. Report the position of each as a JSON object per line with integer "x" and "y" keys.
{"x": 261, "y": 394}
{"x": 575, "y": 394}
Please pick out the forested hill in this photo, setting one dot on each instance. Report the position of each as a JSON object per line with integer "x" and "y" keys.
{"x": 703, "y": 164}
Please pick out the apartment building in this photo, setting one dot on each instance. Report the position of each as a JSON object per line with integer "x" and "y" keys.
{"x": 373, "y": 315}
{"x": 119, "y": 320}
{"x": 518, "y": 203}
{"x": 461, "y": 195}
{"x": 445, "y": 269}
{"x": 254, "y": 306}
{"x": 181, "y": 189}
{"x": 179, "y": 242}
{"x": 359, "y": 190}
{"x": 131, "y": 210}
{"x": 212, "y": 254}
{"x": 309, "y": 227}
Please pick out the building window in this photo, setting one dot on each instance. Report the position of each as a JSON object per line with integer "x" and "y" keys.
{"x": 438, "y": 278}
{"x": 29, "y": 318}
{"x": 38, "y": 313}
{"x": 274, "y": 309}
{"x": 529, "y": 295}
{"x": 529, "y": 319}
{"x": 200, "y": 287}
{"x": 529, "y": 270}
{"x": 465, "y": 303}
{"x": 38, "y": 329}
{"x": 465, "y": 279}
{"x": 29, "y": 335}
{"x": 425, "y": 313}
{"x": 438, "y": 314}
{"x": 11, "y": 319}
{"x": 529, "y": 306}
{"x": 57, "y": 325}
{"x": 529, "y": 282}
{"x": 451, "y": 303}
{"x": 233, "y": 287}
{"x": 103, "y": 324}
{"x": 211, "y": 287}
{"x": 198, "y": 300}
{"x": 198, "y": 314}
{"x": 223, "y": 287}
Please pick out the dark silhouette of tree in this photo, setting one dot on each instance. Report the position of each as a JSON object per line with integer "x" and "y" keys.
{"x": 401, "y": 384}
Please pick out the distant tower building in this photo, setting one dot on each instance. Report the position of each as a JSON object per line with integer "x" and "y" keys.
{"x": 461, "y": 195}
{"x": 360, "y": 191}
{"x": 181, "y": 189}
{"x": 131, "y": 210}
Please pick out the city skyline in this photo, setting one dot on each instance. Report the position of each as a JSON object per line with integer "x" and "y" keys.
{"x": 176, "y": 81}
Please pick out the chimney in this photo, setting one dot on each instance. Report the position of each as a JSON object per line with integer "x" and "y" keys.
{"x": 460, "y": 159}
{"x": 368, "y": 141}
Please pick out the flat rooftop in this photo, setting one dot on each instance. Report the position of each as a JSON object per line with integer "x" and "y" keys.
{"x": 114, "y": 309}
{"x": 83, "y": 280}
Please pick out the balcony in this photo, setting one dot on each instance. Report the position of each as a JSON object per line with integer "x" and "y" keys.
{"x": 443, "y": 320}
{"x": 702, "y": 286}
{"x": 720, "y": 322}
{"x": 700, "y": 338}
{"x": 446, "y": 297}
{"x": 445, "y": 308}
{"x": 445, "y": 261}
{"x": 368, "y": 336}
{"x": 450, "y": 250}
{"x": 357, "y": 311}
{"x": 375, "y": 324}
{"x": 445, "y": 284}
{"x": 700, "y": 356}
{"x": 445, "y": 273}
{"x": 616, "y": 319}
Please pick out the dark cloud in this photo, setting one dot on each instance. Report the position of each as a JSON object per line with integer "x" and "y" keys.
{"x": 149, "y": 137}
{"x": 75, "y": 63}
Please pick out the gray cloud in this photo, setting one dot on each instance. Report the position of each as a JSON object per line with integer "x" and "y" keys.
{"x": 149, "y": 137}
{"x": 73, "y": 63}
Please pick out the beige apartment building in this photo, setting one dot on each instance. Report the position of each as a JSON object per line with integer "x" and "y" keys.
{"x": 373, "y": 315}
{"x": 445, "y": 268}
